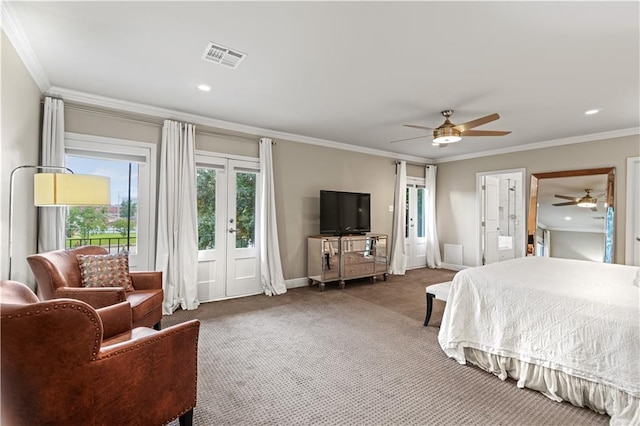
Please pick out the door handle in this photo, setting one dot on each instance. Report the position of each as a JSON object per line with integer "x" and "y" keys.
{"x": 231, "y": 230}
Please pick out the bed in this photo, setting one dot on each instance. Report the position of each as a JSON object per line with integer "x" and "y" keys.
{"x": 567, "y": 328}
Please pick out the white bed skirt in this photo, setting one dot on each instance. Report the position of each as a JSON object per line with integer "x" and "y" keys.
{"x": 623, "y": 408}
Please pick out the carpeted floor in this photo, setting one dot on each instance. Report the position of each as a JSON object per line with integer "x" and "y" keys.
{"x": 358, "y": 356}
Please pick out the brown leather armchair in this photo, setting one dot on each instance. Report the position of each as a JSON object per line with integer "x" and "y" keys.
{"x": 58, "y": 275}
{"x": 64, "y": 362}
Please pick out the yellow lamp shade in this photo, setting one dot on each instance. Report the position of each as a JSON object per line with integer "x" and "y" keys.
{"x": 68, "y": 189}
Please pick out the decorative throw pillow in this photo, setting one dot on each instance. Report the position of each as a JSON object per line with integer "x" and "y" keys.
{"x": 105, "y": 270}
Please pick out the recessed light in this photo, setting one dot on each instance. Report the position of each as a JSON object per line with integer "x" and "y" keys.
{"x": 204, "y": 87}
{"x": 592, "y": 111}
{"x": 567, "y": 218}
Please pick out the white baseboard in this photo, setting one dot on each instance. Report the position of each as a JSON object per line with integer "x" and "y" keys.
{"x": 297, "y": 282}
{"x": 454, "y": 267}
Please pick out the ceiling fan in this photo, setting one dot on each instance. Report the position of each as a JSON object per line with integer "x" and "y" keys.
{"x": 587, "y": 201}
{"x": 448, "y": 132}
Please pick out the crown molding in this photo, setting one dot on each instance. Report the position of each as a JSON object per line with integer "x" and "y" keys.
{"x": 142, "y": 109}
{"x": 545, "y": 144}
{"x": 13, "y": 29}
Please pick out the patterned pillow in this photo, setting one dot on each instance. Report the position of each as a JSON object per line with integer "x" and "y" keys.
{"x": 105, "y": 270}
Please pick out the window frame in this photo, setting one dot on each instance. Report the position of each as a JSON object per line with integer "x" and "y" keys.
{"x": 143, "y": 153}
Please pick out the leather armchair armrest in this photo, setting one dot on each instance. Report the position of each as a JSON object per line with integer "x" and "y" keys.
{"x": 147, "y": 280}
{"x": 139, "y": 370}
{"x": 116, "y": 319}
{"x": 97, "y": 297}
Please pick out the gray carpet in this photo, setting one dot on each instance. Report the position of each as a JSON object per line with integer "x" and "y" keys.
{"x": 358, "y": 356}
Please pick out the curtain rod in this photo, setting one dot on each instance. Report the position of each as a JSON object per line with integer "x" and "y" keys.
{"x": 150, "y": 120}
{"x": 52, "y": 97}
{"x": 414, "y": 164}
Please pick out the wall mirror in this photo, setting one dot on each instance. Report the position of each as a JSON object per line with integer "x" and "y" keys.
{"x": 571, "y": 214}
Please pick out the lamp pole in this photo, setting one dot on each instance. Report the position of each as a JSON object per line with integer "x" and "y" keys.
{"x": 11, "y": 181}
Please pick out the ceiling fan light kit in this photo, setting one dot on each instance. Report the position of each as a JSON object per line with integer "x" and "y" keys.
{"x": 446, "y": 135}
{"x": 587, "y": 202}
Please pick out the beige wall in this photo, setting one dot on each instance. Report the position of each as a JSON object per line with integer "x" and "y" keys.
{"x": 300, "y": 172}
{"x": 20, "y": 120}
{"x": 456, "y": 196}
{"x": 577, "y": 245}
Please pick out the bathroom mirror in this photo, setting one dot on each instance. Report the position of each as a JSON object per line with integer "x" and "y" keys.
{"x": 571, "y": 214}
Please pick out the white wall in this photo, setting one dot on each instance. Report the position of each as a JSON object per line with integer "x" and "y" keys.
{"x": 456, "y": 198}
{"x": 20, "y": 118}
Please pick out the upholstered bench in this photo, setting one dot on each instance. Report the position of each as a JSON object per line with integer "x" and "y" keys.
{"x": 438, "y": 291}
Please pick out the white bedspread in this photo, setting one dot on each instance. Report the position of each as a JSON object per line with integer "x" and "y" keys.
{"x": 581, "y": 318}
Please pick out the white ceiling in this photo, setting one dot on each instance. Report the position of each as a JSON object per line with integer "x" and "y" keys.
{"x": 354, "y": 72}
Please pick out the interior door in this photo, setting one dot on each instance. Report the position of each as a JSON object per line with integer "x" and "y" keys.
{"x": 416, "y": 238}
{"x": 491, "y": 220}
{"x": 228, "y": 200}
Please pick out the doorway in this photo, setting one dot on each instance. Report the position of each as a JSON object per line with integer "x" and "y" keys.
{"x": 501, "y": 215}
{"x": 415, "y": 226}
{"x": 228, "y": 200}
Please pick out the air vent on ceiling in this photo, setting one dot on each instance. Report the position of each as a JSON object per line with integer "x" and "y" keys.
{"x": 219, "y": 54}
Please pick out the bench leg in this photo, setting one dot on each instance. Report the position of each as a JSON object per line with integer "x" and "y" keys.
{"x": 429, "y": 308}
{"x": 186, "y": 419}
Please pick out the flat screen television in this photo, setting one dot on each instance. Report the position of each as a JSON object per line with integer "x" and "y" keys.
{"x": 343, "y": 213}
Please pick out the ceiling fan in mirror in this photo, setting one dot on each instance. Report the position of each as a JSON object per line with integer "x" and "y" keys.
{"x": 587, "y": 201}
{"x": 448, "y": 132}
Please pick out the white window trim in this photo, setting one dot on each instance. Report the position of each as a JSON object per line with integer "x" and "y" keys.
{"x": 101, "y": 144}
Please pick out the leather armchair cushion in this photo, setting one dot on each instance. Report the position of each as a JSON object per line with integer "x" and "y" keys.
{"x": 106, "y": 270}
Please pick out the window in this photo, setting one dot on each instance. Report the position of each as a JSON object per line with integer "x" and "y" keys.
{"x": 206, "y": 184}
{"x": 246, "y": 209}
{"x": 127, "y": 224}
{"x": 115, "y": 226}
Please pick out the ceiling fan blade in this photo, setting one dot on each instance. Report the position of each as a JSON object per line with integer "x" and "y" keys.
{"x": 566, "y": 197}
{"x": 570, "y": 203}
{"x": 463, "y": 127}
{"x": 415, "y": 126}
{"x": 484, "y": 133}
{"x": 410, "y": 139}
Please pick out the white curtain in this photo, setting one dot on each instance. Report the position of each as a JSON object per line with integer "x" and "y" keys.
{"x": 51, "y": 220}
{"x": 177, "y": 247}
{"x": 398, "y": 262}
{"x": 433, "y": 246}
{"x": 270, "y": 265}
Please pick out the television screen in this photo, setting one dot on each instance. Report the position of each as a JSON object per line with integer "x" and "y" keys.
{"x": 344, "y": 212}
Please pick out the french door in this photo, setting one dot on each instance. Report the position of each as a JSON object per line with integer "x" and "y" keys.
{"x": 415, "y": 227}
{"x": 228, "y": 200}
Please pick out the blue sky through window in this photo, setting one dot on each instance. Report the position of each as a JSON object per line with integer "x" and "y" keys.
{"x": 117, "y": 171}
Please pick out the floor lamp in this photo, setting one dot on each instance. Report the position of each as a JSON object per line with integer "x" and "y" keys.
{"x": 58, "y": 190}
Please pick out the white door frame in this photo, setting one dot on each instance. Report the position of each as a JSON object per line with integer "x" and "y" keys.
{"x": 479, "y": 176}
{"x": 632, "y": 233}
{"x": 412, "y": 240}
{"x": 220, "y": 283}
